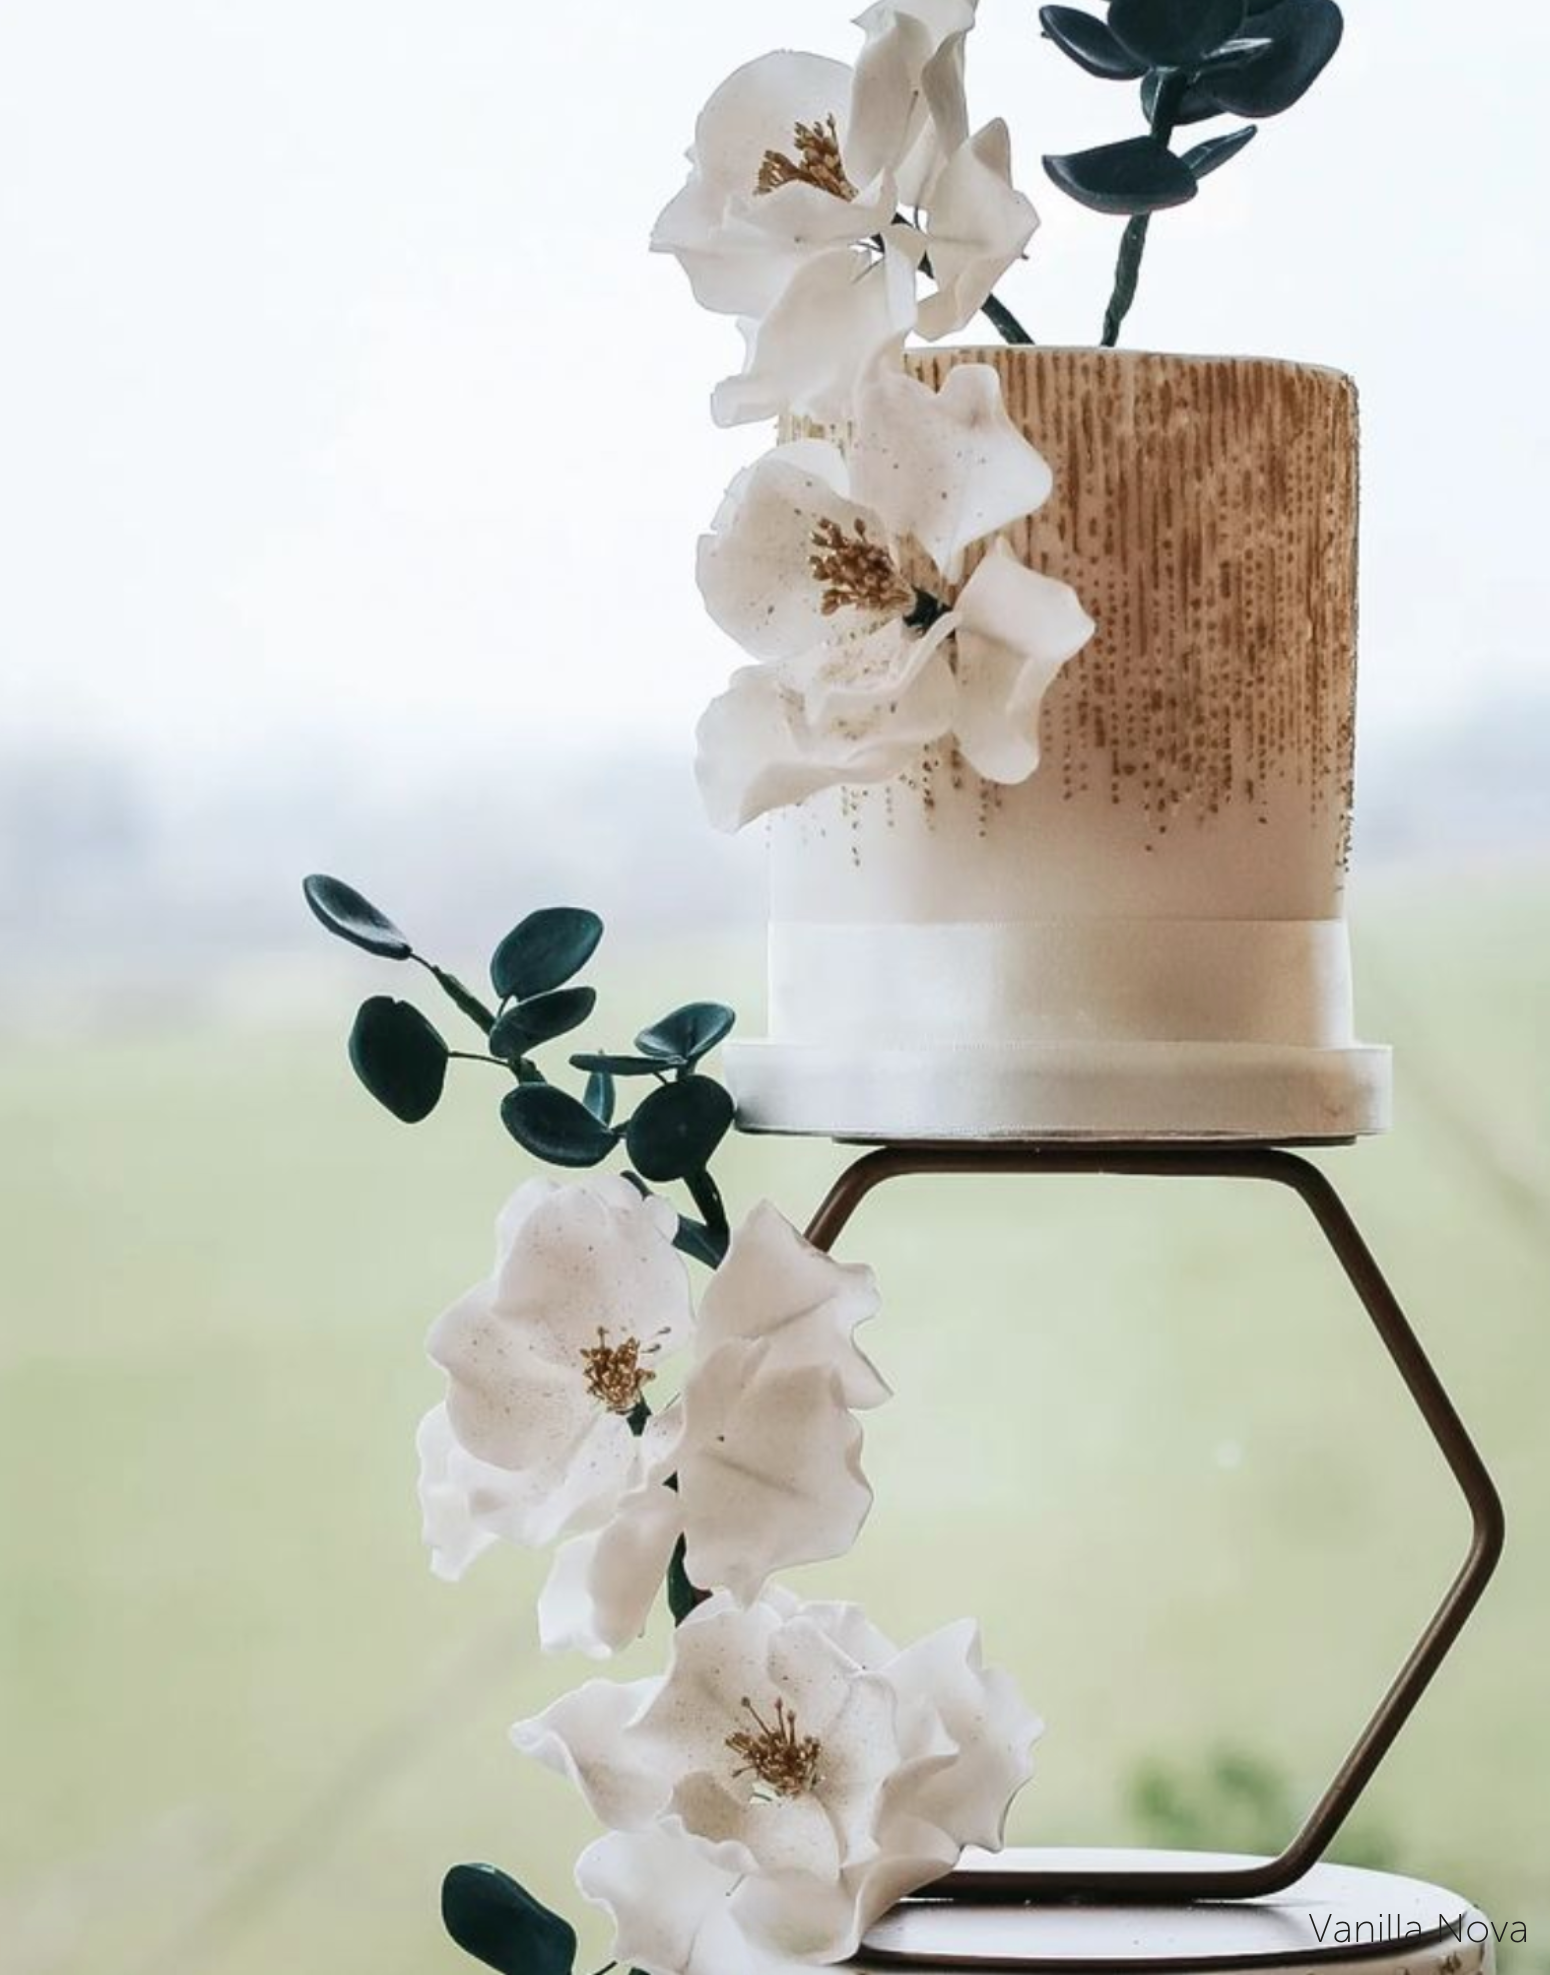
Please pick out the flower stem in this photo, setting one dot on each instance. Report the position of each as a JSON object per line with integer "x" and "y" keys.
{"x": 1127, "y": 269}
{"x": 707, "y": 1197}
{"x": 1002, "y": 320}
{"x": 455, "y": 991}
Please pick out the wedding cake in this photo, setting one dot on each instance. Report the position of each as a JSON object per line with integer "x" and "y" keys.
{"x": 1145, "y": 936}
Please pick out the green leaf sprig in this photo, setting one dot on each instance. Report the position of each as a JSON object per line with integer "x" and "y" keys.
{"x": 1194, "y": 59}
{"x": 671, "y": 1137}
{"x": 403, "y": 1060}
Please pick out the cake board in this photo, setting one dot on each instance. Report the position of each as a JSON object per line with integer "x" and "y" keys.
{"x": 1339, "y": 1919}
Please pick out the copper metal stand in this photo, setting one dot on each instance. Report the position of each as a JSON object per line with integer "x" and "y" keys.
{"x": 1282, "y": 1168}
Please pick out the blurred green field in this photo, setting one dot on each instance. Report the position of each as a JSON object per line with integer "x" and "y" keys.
{"x": 1139, "y": 1430}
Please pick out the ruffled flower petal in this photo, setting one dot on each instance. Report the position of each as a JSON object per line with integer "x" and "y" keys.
{"x": 907, "y": 101}
{"x": 947, "y": 467}
{"x": 772, "y": 568}
{"x": 673, "y": 1905}
{"x": 740, "y": 247}
{"x": 583, "y": 1259}
{"x": 601, "y": 1587}
{"x": 776, "y": 1288}
{"x": 770, "y": 1471}
{"x": 1016, "y": 629}
{"x": 948, "y": 1696}
{"x": 586, "y": 1737}
{"x": 979, "y": 225}
{"x": 466, "y": 1505}
{"x": 843, "y": 310}
{"x": 760, "y": 748}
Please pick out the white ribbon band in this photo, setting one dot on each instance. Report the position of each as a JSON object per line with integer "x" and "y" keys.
{"x": 1285, "y": 981}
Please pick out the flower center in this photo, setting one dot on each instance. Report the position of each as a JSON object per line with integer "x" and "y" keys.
{"x": 856, "y": 571}
{"x": 784, "y": 1762}
{"x": 615, "y": 1374}
{"x": 817, "y": 162}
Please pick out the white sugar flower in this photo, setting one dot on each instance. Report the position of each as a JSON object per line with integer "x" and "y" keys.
{"x": 791, "y": 216}
{"x": 786, "y": 1781}
{"x": 546, "y": 1362}
{"x": 838, "y": 575}
{"x": 763, "y": 1440}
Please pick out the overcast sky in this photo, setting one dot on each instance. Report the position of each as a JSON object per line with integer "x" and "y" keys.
{"x": 338, "y": 384}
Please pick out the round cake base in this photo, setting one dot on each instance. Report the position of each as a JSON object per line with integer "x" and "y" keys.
{"x": 1337, "y": 1918}
{"x": 1249, "y": 1092}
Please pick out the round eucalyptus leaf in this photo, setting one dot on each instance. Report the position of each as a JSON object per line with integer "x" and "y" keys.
{"x": 399, "y": 1057}
{"x": 1090, "y": 44}
{"x": 1139, "y": 175}
{"x": 688, "y": 1033}
{"x": 1193, "y": 105}
{"x": 599, "y": 1096}
{"x": 526, "y": 1024}
{"x": 1174, "y": 33}
{"x": 342, "y": 909}
{"x": 617, "y": 1066}
{"x": 676, "y": 1129}
{"x": 555, "y": 1127}
{"x": 1303, "y": 36}
{"x": 544, "y": 950}
{"x": 500, "y": 1923}
{"x": 1203, "y": 158}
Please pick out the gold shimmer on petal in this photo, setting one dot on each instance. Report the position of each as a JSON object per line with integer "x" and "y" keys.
{"x": 817, "y": 162}
{"x": 856, "y": 572}
{"x": 784, "y": 1762}
{"x": 615, "y": 1375}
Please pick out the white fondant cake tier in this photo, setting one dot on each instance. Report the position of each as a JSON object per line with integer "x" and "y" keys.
{"x": 1146, "y": 938}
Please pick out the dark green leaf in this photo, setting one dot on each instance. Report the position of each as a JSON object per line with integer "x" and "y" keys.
{"x": 528, "y": 1023}
{"x": 1137, "y": 176}
{"x": 399, "y": 1057}
{"x": 618, "y": 1066}
{"x": 544, "y": 950}
{"x": 1174, "y": 33}
{"x": 696, "y": 1240}
{"x": 345, "y": 913}
{"x": 1090, "y": 44}
{"x": 1193, "y": 105}
{"x": 1216, "y": 151}
{"x": 688, "y": 1033}
{"x": 599, "y": 1098}
{"x": 555, "y": 1126}
{"x": 676, "y": 1129}
{"x": 1232, "y": 54}
{"x": 683, "y": 1594}
{"x": 1303, "y": 36}
{"x": 500, "y": 1923}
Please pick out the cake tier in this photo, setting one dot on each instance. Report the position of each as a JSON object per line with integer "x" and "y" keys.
{"x": 1340, "y": 1919}
{"x": 1146, "y": 937}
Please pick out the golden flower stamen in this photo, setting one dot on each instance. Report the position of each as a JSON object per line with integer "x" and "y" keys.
{"x": 817, "y": 162}
{"x": 856, "y": 571}
{"x": 784, "y": 1762}
{"x": 615, "y": 1375}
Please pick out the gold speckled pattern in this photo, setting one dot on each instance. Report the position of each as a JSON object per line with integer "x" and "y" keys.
{"x": 1204, "y": 510}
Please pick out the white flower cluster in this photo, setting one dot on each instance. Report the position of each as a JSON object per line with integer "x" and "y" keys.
{"x": 792, "y": 1774}
{"x": 819, "y": 198}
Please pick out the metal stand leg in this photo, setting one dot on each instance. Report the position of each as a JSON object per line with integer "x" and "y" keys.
{"x": 1208, "y": 1161}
